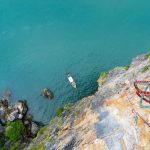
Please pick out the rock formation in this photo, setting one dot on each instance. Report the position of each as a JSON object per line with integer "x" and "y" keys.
{"x": 111, "y": 119}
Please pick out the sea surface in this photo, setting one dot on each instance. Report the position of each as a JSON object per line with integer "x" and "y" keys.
{"x": 42, "y": 39}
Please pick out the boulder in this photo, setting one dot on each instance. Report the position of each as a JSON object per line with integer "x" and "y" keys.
{"x": 47, "y": 93}
{"x": 20, "y": 116}
{"x": 34, "y": 128}
{"x": 4, "y": 102}
{"x": 2, "y": 111}
{"x": 13, "y": 115}
{"x": 21, "y": 106}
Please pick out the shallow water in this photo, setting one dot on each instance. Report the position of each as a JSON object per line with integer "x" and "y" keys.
{"x": 41, "y": 40}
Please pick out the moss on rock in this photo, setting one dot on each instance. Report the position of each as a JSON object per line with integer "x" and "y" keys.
{"x": 102, "y": 78}
{"x": 147, "y": 56}
{"x": 144, "y": 69}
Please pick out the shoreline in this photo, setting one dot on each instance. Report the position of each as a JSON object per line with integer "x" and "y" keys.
{"x": 15, "y": 117}
{"x": 89, "y": 121}
{"x": 71, "y": 114}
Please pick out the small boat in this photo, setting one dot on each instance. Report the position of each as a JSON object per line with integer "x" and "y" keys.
{"x": 71, "y": 80}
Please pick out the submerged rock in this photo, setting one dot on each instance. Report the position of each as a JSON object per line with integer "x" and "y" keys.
{"x": 7, "y": 94}
{"x": 47, "y": 93}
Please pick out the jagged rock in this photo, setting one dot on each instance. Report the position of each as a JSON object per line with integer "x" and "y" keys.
{"x": 4, "y": 102}
{"x": 13, "y": 115}
{"x": 34, "y": 128}
{"x": 49, "y": 146}
{"x": 106, "y": 120}
{"x": 47, "y": 93}
{"x": 18, "y": 112}
{"x": 69, "y": 143}
{"x": 55, "y": 131}
{"x": 22, "y": 107}
{"x": 2, "y": 111}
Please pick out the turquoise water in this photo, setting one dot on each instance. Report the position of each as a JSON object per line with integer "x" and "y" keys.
{"x": 40, "y": 40}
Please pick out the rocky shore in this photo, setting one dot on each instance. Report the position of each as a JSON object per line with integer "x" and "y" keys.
{"x": 17, "y": 127}
{"x": 105, "y": 120}
{"x": 111, "y": 119}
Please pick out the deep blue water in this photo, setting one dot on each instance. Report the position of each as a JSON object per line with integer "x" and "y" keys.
{"x": 41, "y": 39}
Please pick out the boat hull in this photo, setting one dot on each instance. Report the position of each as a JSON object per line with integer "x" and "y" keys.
{"x": 71, "y": 81}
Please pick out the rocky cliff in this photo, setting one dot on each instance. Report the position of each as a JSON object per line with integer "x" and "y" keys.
{"x": 111, "y": 119}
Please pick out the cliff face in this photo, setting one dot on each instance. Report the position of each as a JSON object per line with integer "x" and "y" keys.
{"x": 111, "y": 119}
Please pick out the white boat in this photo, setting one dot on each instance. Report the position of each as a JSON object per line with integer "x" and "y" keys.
{"x": 71, "y": 80}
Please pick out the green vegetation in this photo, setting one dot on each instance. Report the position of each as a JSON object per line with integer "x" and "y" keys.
{"x": 59, "y": 112}
{"x": 147, "y": 56}
{"x": 102, "y": 78}
{"x": 68, "y": 106}
{"x": 144, "y": 69}
{"x": 14, "y": 130}
{"x": 76, "y": 113}
{"x": 126, "y": 67}
{"x": 42, "y": 130}
{"x": 41, "y": 146}
{"x": 38, "y": 147}
{"x": 16, "y": 145}
{"x": 49, "y": 138}
{"x": 56, "y": 122}
{"x": 2, "y": 143}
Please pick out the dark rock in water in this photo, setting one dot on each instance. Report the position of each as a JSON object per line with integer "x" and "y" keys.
{"x": 47, "y": 93}
{"x": 7, "y": 94}
{"x": 19, "y": 111}
{"x": 11, "y": 113}
{"x": 22, "y": 107}
{"x": 4, "y": 102}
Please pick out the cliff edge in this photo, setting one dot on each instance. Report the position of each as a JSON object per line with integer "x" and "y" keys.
{"x": 111, "y": 119}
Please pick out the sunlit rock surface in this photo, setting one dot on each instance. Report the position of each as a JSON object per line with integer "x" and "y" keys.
{"x": 104, "y": 121}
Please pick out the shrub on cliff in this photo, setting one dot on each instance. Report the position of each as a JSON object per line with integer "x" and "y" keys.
{"x": 59, "y": 111}
{"x": 14, "y": 130}
{"x": 2, "y": 143}
{"x": 144, "y": 69}
{"x": 126, "y": 67}
{"x": 102, "y": 78}
{"x": 17, "y": 145}
{"x": 147, "y": 56}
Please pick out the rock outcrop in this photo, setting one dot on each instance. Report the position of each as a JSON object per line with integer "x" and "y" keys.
{"x": 16, "y": 126}
{"x": 107, "y": 120}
